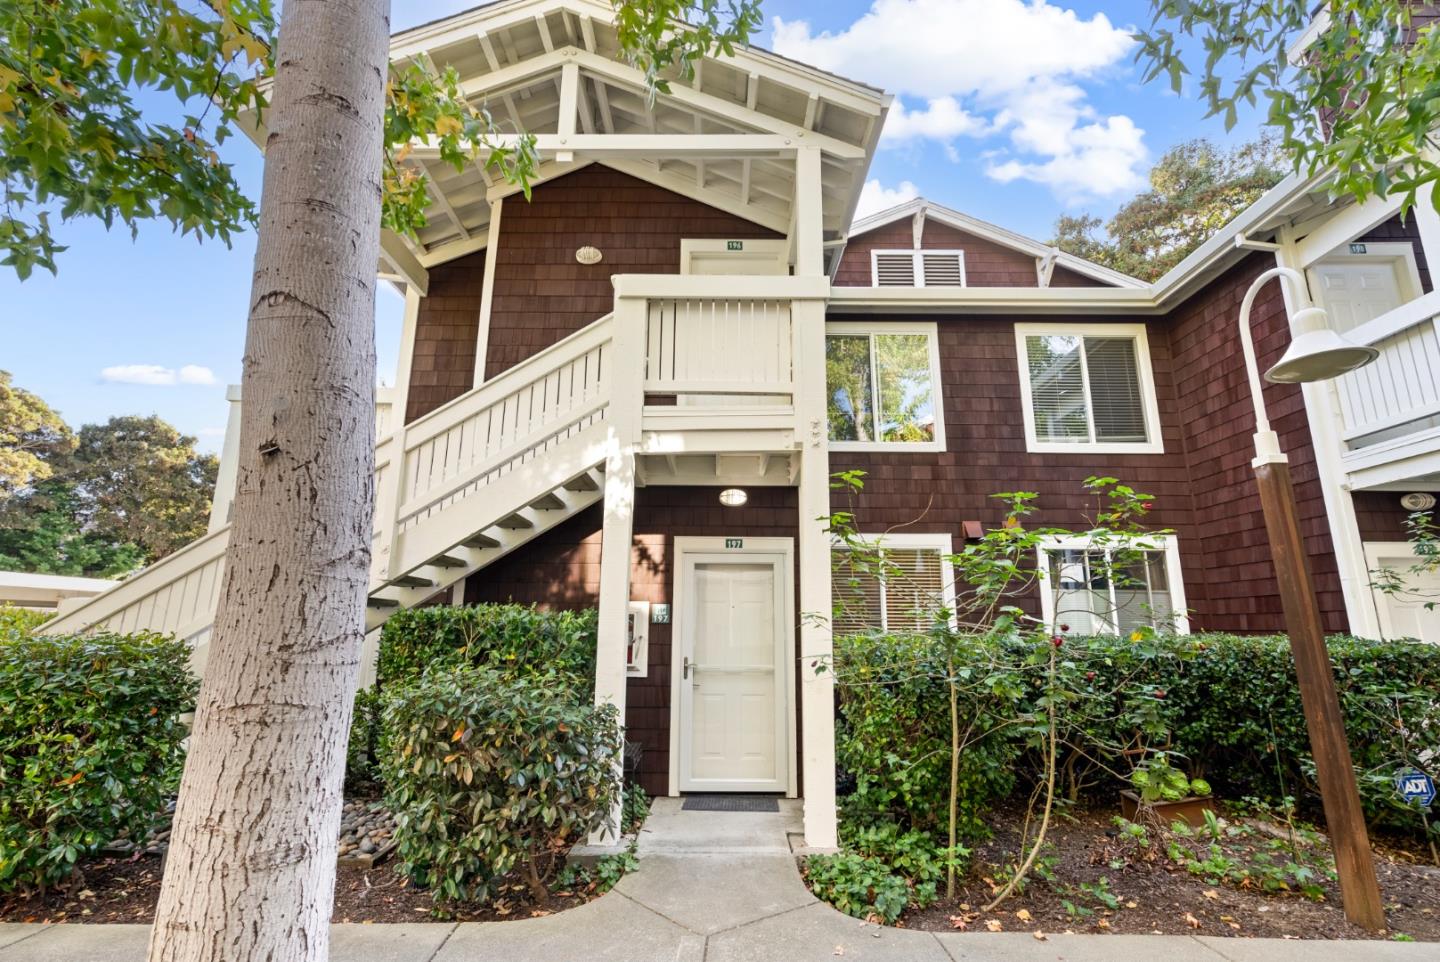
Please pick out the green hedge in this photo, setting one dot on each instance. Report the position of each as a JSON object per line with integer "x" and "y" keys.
{"x": 514, "y": 639}
{"x": 22, "y": 621}
{"x": 1230, "y": 704}
{"x": 487, "y": 772}
{"x": 90, "y": 745}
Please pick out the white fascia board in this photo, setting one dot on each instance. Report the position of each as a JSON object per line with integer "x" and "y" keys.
{"x": 1002, "y": 300}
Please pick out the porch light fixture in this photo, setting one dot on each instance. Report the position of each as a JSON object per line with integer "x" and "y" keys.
{"x": 1316, "y": 353}
{"x": 734, "y": 497}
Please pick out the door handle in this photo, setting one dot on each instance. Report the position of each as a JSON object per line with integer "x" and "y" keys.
{"x": 685, "y": 669}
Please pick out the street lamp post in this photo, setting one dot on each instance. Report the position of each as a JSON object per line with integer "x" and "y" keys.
{"x": 1316, "y": 353}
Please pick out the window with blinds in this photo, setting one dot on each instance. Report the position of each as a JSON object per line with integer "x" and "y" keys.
{"x": 1109, "y": 591}
{"x": 918, "y": 268}
{"x": 901, "y": 593}
{"x": 1087, "y": 388}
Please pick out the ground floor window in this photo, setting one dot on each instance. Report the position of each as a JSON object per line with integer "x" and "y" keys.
{"x": 899, "y": 591}
{"x": 1103, "y": 586}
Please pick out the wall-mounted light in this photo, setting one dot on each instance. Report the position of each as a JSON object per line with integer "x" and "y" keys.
{"x": 734, "y": 497}
{"x": 588, "y": 255}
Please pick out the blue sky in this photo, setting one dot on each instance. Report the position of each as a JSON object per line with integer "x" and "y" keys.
{"x": 1012, "y": 112}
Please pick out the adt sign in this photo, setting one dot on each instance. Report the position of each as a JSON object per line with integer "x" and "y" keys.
{"x": 1415, "y": 787}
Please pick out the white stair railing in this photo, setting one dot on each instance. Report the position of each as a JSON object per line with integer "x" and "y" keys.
{"x": 421, "y": 469}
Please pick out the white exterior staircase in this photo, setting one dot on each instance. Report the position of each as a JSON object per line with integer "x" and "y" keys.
{"x": 455, "y": 490}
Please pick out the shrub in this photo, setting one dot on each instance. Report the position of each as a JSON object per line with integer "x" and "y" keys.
{"x": 21, "y": 620}
{"x": 1229, "y": 706}
{"x": 362, "y": 752}
{"x": 894, "y": 737}
{"x": 90, "y": 744}
{"x": 513, "y": 639}
{"x": 487, "y": 773}
{"x": 857, "y": 885}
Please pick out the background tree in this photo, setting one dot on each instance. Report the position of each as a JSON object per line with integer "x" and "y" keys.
{"x": 31, "y": 436}
{"x": 1364, "y": 101}
{"x": 1196, "y": 189}
{"x": 141, "y": 482}
{"x": 42, "y": 531}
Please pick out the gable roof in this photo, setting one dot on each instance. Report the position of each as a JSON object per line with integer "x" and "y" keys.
{"x": 995, "y": 234}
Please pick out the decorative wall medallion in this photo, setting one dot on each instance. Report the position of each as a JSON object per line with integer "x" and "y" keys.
{"x": 588, "y": 255}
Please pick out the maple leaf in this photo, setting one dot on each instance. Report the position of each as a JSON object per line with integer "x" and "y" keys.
{"x": 1211, "y": 894}
{"x": 994, "y": 925}
{"x": 956, "y": 922}
{"x": 1023, "y": 915}
{"x": 1192, "y": 921}
{"x": 1040, "y": 936}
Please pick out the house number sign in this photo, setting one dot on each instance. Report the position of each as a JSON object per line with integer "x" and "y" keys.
{"x": 734, "y": 245}
{"x": 733, "y": 543}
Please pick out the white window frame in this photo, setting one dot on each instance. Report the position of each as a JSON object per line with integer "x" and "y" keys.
{"x": 932, "y": 331}
{"x": 1156, "y": 443}
{"x": 1167, "y": 543}
{"x": 918, "y": 261}
{"x": 940, "y": 541}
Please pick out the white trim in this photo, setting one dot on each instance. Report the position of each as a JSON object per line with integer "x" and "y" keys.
{"x": 487, "y": 291}
{"x": 1155, "y": 444}
{"x": 780, "y": 552}
{"x": 1168, "y": 543}
{"x": 940, "y": 541}
{"x": 931, "y": 330}
{"x": 755, "y": 250}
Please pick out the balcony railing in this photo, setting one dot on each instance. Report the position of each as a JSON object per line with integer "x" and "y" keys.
{"x": 1399, "y": 394}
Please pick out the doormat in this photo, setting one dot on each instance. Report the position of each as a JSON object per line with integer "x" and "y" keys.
{"x": 730, "y": 803}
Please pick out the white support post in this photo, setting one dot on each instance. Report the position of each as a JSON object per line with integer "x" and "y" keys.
{"x": 809, "y": 226}
{"x": 487, "y": 291}
{"x": 1322, "y": 410}
{"x": 401, "y": 393}
{"x": 389, "y": 499}
{"x": 817, "y": 681}
{"x": 569, "y": 108}
{"x": 617, "y": 529}
{"x": 229, "y": 461}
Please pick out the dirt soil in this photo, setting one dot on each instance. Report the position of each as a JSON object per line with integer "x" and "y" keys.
{"x": 125, "y": 890}
{"x": 1157, "y": 896}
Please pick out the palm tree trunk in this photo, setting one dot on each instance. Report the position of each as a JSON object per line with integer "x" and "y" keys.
{"x": 251, "y": 867}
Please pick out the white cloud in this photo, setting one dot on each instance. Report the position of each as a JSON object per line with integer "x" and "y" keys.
{"x": 157, "y": 375}
{"x": 875, "y": 197}
{"x": 195, "y": 374}
{"x": 985, "y": 68}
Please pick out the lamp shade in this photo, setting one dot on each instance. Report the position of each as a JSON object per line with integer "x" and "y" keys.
{"x": 1318, "y": 352}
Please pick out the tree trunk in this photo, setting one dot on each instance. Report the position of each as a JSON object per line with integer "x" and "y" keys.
{"x": 251, "y": 867}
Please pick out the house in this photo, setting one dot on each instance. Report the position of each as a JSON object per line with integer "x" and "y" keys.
{"x": 631, "y": 391}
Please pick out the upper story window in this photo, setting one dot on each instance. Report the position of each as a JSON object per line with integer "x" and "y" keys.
{"x": 1110, "y": 586}
{"x": 1087, "y": 388}
{"x": 901, "y": 593}
{"x": 918, "y": 268}
{"x": 883, "y": 387}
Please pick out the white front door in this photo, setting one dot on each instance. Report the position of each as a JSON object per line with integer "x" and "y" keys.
{"x": 1410, "y": 612}
{"x": 1355, "y": 290}
{"x": 733, "y": 632}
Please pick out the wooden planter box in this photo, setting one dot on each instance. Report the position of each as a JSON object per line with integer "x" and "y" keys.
{"x": 1190, "y": 810}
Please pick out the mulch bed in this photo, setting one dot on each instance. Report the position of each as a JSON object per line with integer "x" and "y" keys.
{"x": 1159, "y": 897}
{"x": 126, "y": 889}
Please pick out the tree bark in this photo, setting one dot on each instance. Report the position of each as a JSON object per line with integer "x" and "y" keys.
{"x": 251, "y": 867}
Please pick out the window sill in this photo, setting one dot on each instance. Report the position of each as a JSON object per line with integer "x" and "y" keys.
{"x": 1058, "y": 447}
{"x": 889, "y": 447}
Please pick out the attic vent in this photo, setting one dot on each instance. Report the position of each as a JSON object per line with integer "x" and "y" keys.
{"x": 944, "y": 268}
{"x": 918, "y": 268}
{"x": 894, "y": 268}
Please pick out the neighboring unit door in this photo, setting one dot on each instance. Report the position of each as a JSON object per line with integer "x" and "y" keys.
{"x": 1413, "y": 612}
{"x": 733, "y": 705}
{"x": 1354, "y": 291}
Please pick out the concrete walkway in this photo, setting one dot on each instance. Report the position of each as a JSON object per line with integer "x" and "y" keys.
{"x": 712, "y": 887}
